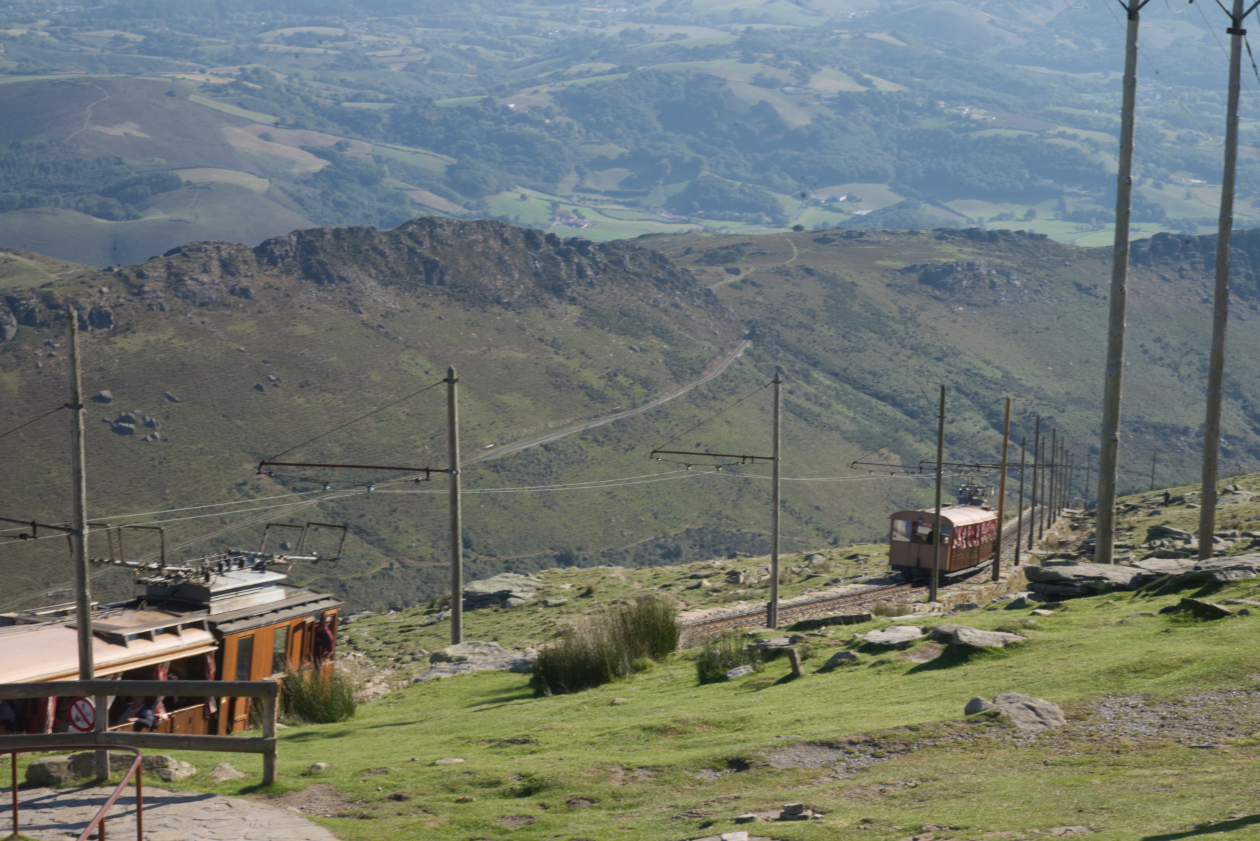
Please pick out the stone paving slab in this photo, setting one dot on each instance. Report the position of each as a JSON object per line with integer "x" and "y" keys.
{"x": 58, "y": 814}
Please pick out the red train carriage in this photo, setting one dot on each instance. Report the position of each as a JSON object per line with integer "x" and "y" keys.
{"x": 967, "y": 539}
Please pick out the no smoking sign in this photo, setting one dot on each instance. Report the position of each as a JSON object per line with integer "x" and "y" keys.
{"x": 82, "y": 715}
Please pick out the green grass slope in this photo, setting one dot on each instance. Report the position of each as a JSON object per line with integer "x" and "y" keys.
{"x": 1160, "y": 741}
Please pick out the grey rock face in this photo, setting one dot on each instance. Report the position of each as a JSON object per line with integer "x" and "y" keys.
{"x": 738, "y": 672}
{"x": 1028, "y": 713}
{"x": 978, "y": 705}
{"x": 896, "y": 635}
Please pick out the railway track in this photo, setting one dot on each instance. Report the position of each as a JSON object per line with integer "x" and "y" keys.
{"x": 823, "y": 606}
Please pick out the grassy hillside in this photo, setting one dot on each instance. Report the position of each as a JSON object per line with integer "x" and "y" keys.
{"x": 1160, "y": 740}
{"x": 267, "y": 348}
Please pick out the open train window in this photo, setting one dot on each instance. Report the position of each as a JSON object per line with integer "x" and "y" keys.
{"x": 280, "y": 651}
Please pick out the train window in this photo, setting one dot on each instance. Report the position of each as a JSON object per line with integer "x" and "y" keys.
{"x": 244, "y": 656}
{"x": 280, "y": 652}
{"x": 922, "y": 532}
{"x": 901, "y": 530}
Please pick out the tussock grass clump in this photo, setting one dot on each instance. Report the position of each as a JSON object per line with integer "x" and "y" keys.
{"x": 307, "y": 697}
{"x": 723, "y": 653}
{"x": 608, "y": 647}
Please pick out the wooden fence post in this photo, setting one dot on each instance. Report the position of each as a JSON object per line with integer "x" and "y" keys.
{"x": 269, "y": 732}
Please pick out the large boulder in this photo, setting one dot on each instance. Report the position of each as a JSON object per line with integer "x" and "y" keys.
{"x": 1028, "y": 713}
{"x": 474, "y": 656}
{"x": 978, "y": 705}
{"x": 50, "y": 771}
{"x": 508, "y": 588}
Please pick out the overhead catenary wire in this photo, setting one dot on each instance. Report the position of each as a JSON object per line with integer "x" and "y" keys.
{"x": 356, "y": 420}
{"x": 35, "y": 420}
{"x": 750, "y": 394}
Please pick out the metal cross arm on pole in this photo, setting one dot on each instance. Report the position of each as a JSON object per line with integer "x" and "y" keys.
{"x": 425, "y": 470}
{"x": 35, "y": 527}
{"x": 711, "y": 455}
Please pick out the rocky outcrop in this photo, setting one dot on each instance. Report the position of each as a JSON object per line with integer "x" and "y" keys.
{"x": 474, "y": 656}
{"x": 974, "y": 637}
{"x": 508, "y": 589}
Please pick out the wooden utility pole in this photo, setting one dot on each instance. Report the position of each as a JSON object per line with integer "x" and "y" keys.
{"x": 772, "y": 610}
{"x": 1109, "y": 460}
{"x": 78, "y": 473}
{"x": 1032, "y": 511}
{"x": 1006, "y": 440}
{"x": 937, "y": 537}
{"x": 1089, "y": 467}
{"x": 457, "y": 527}
{"x": 1154, "y": 455}
{"x": 1019, "y": 518}
{"x": 1052, "y": 465}
{"x": 1220, "y": 305}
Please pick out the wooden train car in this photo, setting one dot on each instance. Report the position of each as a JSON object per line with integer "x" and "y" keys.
{"x": 240, "y": 621}
{"x": 967, "y": 539}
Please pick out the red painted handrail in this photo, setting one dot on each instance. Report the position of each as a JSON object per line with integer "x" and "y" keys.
{"x": 99, "y": 820}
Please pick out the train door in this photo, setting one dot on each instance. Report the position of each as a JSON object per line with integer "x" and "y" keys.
{"x": 238, "y": 708}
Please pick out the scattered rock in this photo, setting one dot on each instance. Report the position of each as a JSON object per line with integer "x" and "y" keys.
{"x": 1028, "y": 713}
{"x": 747, "y": 817}
{"x": 1042, "y": 612}
{"x": 841, "y": 658}
{"x": 738, "y": 672}
{"x": 556, "y": 602}
{"x": 1199, "y": 607}
{"x": 735, "y": 836}
{"x": 795, "y": 812}
{"x": 104, "y": 396}
{"x": 978, "y": 705}
{"x": 259, "y": 387}
{"x": 976, "y": 638}
{"x": 966, "y": 607}
{"x": 897, "y": 635}
{"x": 168, "y": 769}
{"x": 794, "y": 660}
{"x": 619, "y": 701}
{"x": 319, "y": 766}
{"x": 450, "y": 761}
{"x": 224, "y": 772}
{"x": 476, "y": 656}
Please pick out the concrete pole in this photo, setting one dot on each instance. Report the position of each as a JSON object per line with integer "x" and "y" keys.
{"x": 1109, "y": 460}
{"x": 457, "y": 526}
{"x": 772, "y": 610}
{"x": 1154, "y": 456}
{"x": 1220, "y": 306}
{"x": 1006, "y": 440}
{"x": 1019, "y": 521}
{"x": 1032, "y": 513}
{"x": 936, "y": 526}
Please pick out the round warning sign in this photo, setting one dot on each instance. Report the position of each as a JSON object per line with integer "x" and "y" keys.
{"x": 82, "y": 715}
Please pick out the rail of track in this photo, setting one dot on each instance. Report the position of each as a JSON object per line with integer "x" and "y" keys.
{"x": 825, "y": 606}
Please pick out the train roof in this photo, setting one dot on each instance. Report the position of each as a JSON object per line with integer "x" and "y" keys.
{"x": 955, "y": 515}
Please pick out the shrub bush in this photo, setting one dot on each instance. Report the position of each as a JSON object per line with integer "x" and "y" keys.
{"x": 307, "y": 697}
{"x": 721, "y": 654}
{"x": 608, "y": 647}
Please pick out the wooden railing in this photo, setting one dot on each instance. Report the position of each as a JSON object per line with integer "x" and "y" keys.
{"x": 267, "y": 690}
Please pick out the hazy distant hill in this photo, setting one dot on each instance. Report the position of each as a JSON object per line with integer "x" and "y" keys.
{"x": 143, "y": 126}
{"x": 265, "y": 348}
